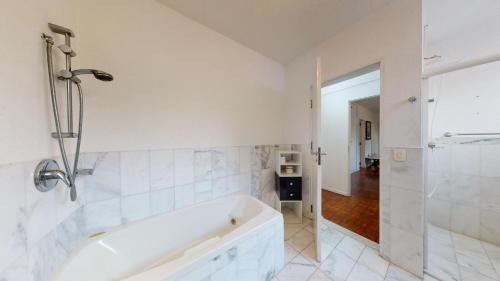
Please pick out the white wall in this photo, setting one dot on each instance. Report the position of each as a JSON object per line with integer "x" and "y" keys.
{"x": 359, "y": 112}
{"x": 466, "y": 101}
{"x": 391, "y": 36}
{"x": 25, "y": 115}
{"x": 177, "y": 83}
{"x": 459, "y": 30}
{"x": 335, "y": 132}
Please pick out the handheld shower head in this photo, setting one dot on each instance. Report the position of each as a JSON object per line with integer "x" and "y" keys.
{"x": 98, "y": 74}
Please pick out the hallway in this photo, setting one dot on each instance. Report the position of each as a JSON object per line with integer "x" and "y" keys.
{"x": 360, "y": 211}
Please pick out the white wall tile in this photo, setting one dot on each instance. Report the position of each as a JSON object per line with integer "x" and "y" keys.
{"x": 220, "y": 187}
{"x": 102, "y": 215}
{"x": 490, "y": 154}
{"x": 18, "y": 271}
{"x": 466, "y": 189}
{"x": 232, "y": 155}
{"x": 184, "y": 170}
{"x": 12, "y": 215}
{"x": 161, "y": 169}
{"x": 408, "y": 174}
{"x": 245, "y": 183}
{"x": 202, "y": 164}
{"x": 41, "y": 211}
{"x": 184, "y": 195}
{"x": 439, "y": 212}
{"x": 466, "y": 159}
{"x": 407, "y": 250}
{"x": 135, "y": 207}
{"x": 440, "y": 185}
{"x": 245, "y": 159}
{"x": 46, "y": 257}
{"x": 490, "y": 226}
{"x": 439, "y": 160}
{"x": 203, "y": 191}
{"x": 162, "y": 201}
{"x": 64, "y": 206}
{"x": 490, "y": 193}
{"x": 465, "y": 220}
{"x": 219, "y": 167}
{"x": 105, "y": 182}
{"x": 406, "y": 210}
{"x": 134, "y": 168}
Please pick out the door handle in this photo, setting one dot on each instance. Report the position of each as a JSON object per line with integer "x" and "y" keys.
{"x": 319, "y": 154}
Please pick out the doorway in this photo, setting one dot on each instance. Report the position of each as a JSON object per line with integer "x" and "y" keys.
{"x": 350, "y": 122}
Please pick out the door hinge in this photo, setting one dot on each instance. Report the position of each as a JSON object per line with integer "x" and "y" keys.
{"x": 311, "y": 145}
{"x": 311, "y": 209}
{"x": 311, "y": 103}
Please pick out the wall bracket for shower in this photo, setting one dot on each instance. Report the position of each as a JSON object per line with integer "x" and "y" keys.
{"x": 47, "y": 172}
{"x": 47, "y": 175}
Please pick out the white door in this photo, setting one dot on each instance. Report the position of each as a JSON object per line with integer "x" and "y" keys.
{"x": 316, "y": 154}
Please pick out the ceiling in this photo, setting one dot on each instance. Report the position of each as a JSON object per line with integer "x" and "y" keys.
{"x": 279, "y": 29}
{"x": 372, "y": 104}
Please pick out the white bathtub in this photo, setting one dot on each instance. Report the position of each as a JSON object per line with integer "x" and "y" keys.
{"x": 233, "y": 238}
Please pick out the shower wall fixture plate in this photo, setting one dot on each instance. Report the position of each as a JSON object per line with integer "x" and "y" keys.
{"x": 47, "y": 173}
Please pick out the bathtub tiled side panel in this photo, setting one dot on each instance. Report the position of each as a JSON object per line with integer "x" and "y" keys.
{"x": 257, "y": 257}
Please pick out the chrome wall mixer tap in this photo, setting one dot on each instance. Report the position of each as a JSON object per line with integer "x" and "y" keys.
{"x": 47, "y": 172}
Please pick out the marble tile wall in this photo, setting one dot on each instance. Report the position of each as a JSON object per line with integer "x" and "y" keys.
{"x": 39, "y": 230}
{"x": 464, "y": 188}
{"x": 402, "y": 207}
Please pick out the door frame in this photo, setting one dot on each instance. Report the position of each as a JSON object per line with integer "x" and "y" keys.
{"x": 316, "y": 128}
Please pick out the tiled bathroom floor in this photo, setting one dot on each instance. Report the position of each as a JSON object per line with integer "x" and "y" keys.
{"x": 455, "y": 257}
{"x": 351, "y": 260}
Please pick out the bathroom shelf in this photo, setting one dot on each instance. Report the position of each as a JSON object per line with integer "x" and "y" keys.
{"x": 289, "y": 184}
{"x": 291, "y": 210}
{"x": 288, "y": 159}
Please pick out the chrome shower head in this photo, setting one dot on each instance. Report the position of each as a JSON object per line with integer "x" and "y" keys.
{"x": 98, "y": 74}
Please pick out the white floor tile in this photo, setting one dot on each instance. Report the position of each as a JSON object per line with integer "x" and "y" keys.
{"x": 477, "y": 265}
{"x": 395, "y": 273}
{"x": 361, "y": 272}
{"x": 301, "y": 240}
{"x": 472, "y": 275}
{"x": 338, "y": 265}
{"x": 310, "y": 253}
{"x": 319, "y": 276}
{"x": 443, "y": 269}
{"x": 299, "y": 269}
{"x": 493, "y": 253}
{"x": 429, "y": 278}
{"x": 469, "y": 247}
{"x": 351, "y": 247}
{"x": 290, "y": 253}
{"x": 291, "y": 229}
{"x": 371, "y": 259}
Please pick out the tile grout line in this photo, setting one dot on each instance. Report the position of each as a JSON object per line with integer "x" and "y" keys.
{"x": 489, "y": 259}
{"x": 456, "y": 256}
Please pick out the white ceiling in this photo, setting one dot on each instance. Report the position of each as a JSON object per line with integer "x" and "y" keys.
{"x": 279, "y": 29}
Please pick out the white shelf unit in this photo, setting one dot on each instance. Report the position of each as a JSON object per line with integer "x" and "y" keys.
{"x": 284, "y": 159}
{"x": 291, "y": 210}
{"x": 289, "y": 158}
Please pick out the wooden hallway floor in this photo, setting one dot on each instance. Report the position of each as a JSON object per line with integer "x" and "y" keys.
{"x": 360, "y": 211}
